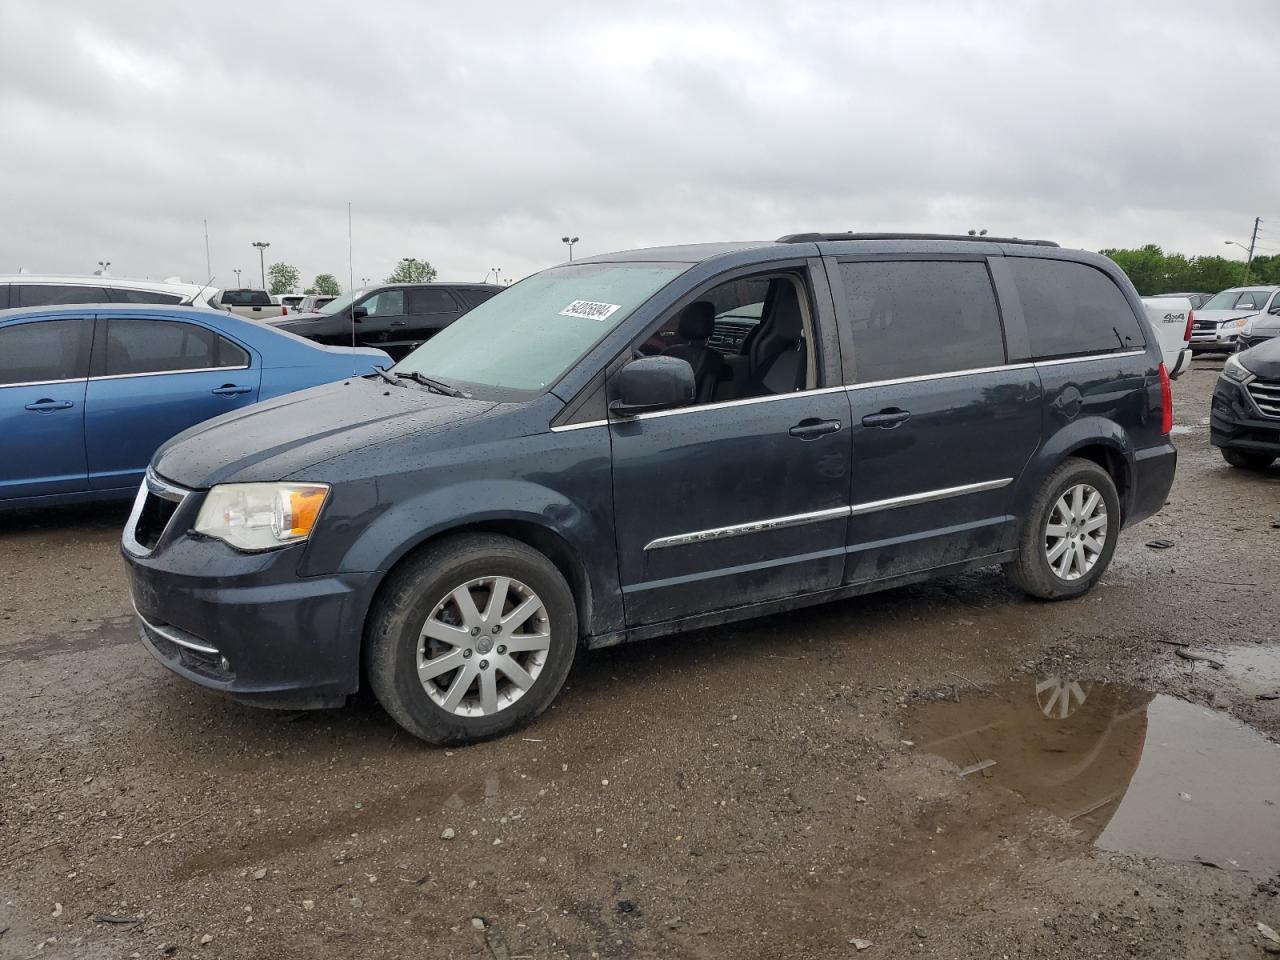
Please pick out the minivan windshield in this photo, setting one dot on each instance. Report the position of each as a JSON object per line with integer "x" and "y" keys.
{"x": 1237, "y": 300}
{"x": 525, "y": 338}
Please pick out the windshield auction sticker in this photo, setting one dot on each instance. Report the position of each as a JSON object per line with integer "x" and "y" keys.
{"x": 590, "y": 310}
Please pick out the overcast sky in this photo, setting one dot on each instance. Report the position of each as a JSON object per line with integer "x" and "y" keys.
{"x": 477, "y": 134}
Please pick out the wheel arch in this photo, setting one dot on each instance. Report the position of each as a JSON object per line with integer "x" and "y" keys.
{"x": 1096, "y": 439}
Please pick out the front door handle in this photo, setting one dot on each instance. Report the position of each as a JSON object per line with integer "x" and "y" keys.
{"x": 230, "y": 390}
{"x": 886, "y": 419}
{"x": 46, "y": 405}
{"x": 812, "y": 428}
{"x": 399, "y": 323}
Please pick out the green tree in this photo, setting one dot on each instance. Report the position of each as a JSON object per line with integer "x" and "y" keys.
{"x": 326, "y": 284}
{"x": 412, "y": 270}
{"x": 1154, "y": 271}
{"x": 282, "y": 278}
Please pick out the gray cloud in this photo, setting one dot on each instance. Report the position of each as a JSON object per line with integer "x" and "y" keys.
{"x": 477, "y": 135}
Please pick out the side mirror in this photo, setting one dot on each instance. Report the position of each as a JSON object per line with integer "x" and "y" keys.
{"x": 651, "y": 383}
{"x": 358, "y": 313}
{"x": 1275, "y": 309}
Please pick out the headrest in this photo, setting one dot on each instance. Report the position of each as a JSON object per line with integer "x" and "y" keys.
{"x": 697, "y": 320}
{"x": 787, "y": 322}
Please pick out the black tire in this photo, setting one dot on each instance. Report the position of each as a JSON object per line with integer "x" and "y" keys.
{"x": 411, "y": 595}
{"x": 1031, "y": 572}
{"x": 1246, "y": 460}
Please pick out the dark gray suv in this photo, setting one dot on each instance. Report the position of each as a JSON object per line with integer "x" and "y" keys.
{"x": 649, "y": 442}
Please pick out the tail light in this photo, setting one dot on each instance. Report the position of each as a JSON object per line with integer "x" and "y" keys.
{"x": 1166, "y": 402}
{"x": 284, "y": 312}
{"x": 1191, "y": 319}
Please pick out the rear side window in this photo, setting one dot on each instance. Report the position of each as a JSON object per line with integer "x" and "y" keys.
{"x": 1071, "y": 309}
{"x": 914, "y": 318}
{"x": 144, "y": 296}
{"x": 431, "y": 300}
{"x": 45, "y": 294}
{"x": 163, "y": 346}
{"x": 43, "y": 350}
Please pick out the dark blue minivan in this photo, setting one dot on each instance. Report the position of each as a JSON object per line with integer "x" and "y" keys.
{"x": 648, "y": 442}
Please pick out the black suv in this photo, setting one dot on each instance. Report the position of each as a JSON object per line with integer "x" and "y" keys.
{"x": 575, "y": 463}
{"x": 1244, "y": 420}
{"x": 395, "y": 317}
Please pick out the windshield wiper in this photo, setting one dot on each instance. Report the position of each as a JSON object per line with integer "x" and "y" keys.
{"x": 382, "y": 372}
{"x": 438, "y": 386}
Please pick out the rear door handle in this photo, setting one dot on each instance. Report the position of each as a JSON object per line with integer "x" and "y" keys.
{"x": 813, "y": 428}
{"x": 47, "y": 405}
{"x": 399, "y": 323}
{"x": 888, "y": 419}
{"x": 230, "y": 390}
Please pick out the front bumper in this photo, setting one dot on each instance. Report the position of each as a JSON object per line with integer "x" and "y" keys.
{"x": 1236, "y": 422}
{"x": 1153, "y": 470}
{"x": 247, "y": 625}
{"x": 1215, "y": 339}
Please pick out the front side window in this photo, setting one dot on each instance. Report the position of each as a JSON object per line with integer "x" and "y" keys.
{"x": 42, "y": 351}
{"x": 431, "y": 300}
{"x": 914, "y": 318}
{"x": 1073, "y": 309}
{"x": 520, "y": 343}
{"x": 48, "y": 294}
{"x": 386, "y": 303}
{"x": 166, "y": 346}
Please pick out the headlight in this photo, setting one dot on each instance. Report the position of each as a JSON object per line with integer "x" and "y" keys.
{"x": 1237, "y": 323}
{"x": 1233, "y": 369}
{"x": 261, "y": 516}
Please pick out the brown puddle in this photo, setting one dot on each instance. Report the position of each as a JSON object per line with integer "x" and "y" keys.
{"x": 1134, "y": 772}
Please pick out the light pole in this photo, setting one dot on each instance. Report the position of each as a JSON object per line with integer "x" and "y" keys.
{"x": 262, "y": 259}
{"x": 236, "y": 271}
{"x": 102, "y": 267}
{"x": 570, "y": 241}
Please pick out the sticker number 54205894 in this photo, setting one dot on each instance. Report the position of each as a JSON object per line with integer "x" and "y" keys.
{"x": 590, "y": 310}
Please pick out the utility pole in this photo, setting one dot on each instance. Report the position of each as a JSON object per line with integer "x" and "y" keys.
{"x": 236, "y": 271}
{"x": 569, "y": 241}
{"x": 262, "y": 261}
{"x": 1253, "y": 241}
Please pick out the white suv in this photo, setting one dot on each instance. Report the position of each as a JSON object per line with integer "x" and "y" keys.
{"x": 1221, "y": 321}
{"x": 40, "y": 290}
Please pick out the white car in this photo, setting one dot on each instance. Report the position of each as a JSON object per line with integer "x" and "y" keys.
{"x": 1172, "y": 318}
{"x": 41, "y": 290}
{"x": 1221, "y": 321}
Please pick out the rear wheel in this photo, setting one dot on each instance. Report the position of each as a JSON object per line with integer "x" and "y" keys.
{"x": 471, "y": 639}
{"x": 1070, "y": 532}
{"x": 1247, "y": 461}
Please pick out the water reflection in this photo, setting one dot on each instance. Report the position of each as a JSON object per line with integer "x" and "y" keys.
{"x": 1132, "y": 771}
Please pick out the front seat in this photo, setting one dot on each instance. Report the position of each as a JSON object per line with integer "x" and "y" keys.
{"x": 777, "y": 351}
{"x": 695, "y": 325}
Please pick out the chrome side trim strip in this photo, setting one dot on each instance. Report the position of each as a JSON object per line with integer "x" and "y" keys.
{"x": 738, "y": 529}
{"x": 42, "y": 383}
{"x": 928, "y": 496}
{"x": 165, "y": 373}
{"x": 945, "y": 375}
{"x": 746, "y": 401}
{"x": 580, "y": 426}
{"x": 1092, "y": 356}
{"x": 175, "y": 637}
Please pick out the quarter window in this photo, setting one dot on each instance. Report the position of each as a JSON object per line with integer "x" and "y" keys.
{"x": 1072, "y": 308}
{"x": 161, "y": 346}
{"x": 914, "y": 318}
{"x": 42, "y": 351}
{"x": 46, "y": 294}
{"x": 431, "y": 300}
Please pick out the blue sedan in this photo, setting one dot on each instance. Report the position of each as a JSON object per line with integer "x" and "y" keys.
{"x": 88, "y": 393}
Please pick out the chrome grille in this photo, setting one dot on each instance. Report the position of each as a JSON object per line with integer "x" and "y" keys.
{"x": 1266, "y": 396}
{"x": 154, "y": 507}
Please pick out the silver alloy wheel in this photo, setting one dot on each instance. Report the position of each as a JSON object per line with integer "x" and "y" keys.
{"x": 483, "y": 646}
{"x": 1076, "y": 532}
{"x": 1059, "y": 698}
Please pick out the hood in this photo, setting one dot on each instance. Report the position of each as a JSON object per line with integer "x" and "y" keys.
{"x": 1263, "y": 360}
{"x": 1218, "y": 316}
{"x": 275, "y": 439}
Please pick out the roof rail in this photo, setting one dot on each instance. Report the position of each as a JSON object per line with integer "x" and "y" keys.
{"x": 819, "y": 237}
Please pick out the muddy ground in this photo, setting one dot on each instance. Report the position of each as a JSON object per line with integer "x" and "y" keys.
{"x": 773, "y": 789}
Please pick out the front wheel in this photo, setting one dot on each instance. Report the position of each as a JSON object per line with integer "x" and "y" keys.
{"x": 470, "y": 639}
{"x": 1246, "y": 461}
{"x": 1069, "y": 534}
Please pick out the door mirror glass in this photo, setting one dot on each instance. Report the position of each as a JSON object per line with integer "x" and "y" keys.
{"x": 651, "y": 383}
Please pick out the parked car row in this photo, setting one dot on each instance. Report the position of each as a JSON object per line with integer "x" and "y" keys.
{"x": 575, "y": 463}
